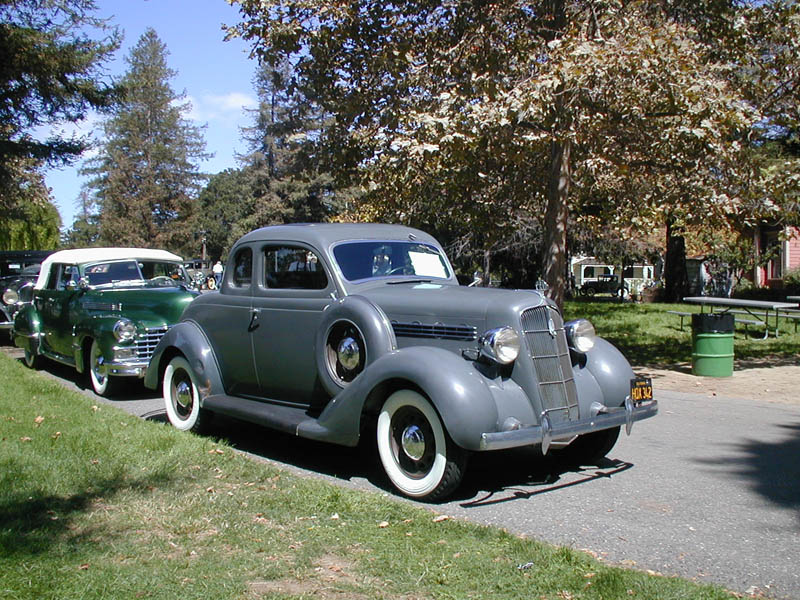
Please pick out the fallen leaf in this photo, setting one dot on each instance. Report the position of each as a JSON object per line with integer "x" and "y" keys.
{"x": 335, "y": 517}
{"x": 84, "y": 566}
{"x": 25, "y": 439}
{"x": 56, "y": 435}
{"x": 383, "y": 524}
{"x": 216, "y": 451}
{"x": 39, "y": 420}
{"x": 441, "y": 518}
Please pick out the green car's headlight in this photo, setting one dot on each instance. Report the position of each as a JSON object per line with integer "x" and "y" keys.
{"x": 580, "y": 335}
{"x": 124, "y": 330}
{"x": 501, "y": 345}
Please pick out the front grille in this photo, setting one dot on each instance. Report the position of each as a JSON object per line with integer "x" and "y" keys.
{"x": 146, "y": 343}
{"x": 547, "y": 342}
{"x": 437, "y": 330}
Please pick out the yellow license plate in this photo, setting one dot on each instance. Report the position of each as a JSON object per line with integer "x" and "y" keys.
{"x": 641, "y": 389}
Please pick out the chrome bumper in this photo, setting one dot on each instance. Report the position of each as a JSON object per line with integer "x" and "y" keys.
{"x": 6, "y": 325}
{"x": 131, "y": 368}
{"x": 545, "y": 433}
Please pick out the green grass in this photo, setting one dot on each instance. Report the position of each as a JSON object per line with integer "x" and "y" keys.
{"x": 95, "y": 503}
{"x": 647, "y": 335}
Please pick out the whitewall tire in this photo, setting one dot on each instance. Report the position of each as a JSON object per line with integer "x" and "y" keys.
{"x": 182, "y": 397}
{"x": 417, "y": 455}
{"x": 101, "y": 382}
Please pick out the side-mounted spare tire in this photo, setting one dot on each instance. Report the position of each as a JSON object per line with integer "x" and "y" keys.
{"x": 353, "y": 333}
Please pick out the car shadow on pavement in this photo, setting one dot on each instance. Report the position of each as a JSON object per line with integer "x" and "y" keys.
{"x": 521, "y": 474}
{"x": 491, "y": 478}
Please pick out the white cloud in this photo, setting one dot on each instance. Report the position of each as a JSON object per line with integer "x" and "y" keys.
{"x": 227, "y": 107}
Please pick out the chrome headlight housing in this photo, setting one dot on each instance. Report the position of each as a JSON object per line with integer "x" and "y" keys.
{"x": 124, "y": 330}
{"x": 580, "y": 335}
{"x": 10, "y": 297}
{"x": 501, "y": 345}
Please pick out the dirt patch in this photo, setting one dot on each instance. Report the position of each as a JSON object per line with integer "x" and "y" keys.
{"x": 768, "y": 379}
{"x": 331, "y": 578}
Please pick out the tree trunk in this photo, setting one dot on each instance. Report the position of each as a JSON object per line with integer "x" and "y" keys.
{"x": 675, "y": 279}
{"x": 554, "y": 265}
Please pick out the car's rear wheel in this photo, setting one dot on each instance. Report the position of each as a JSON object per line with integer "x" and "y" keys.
{"x": 182, "y": 397}
{"x": 102, "y": 383}
{"x": 590, "y": 448}
{"x": 417, "y": 455}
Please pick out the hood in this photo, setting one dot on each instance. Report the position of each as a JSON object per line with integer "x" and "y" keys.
{"x": 451, "y": 304}
{"x": 151, "y": 307}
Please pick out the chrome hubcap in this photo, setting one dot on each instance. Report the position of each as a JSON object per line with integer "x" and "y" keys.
{"x": 183, "y": 397}
{"x": 348, "y": 353}
{"x": 413, "y": 442}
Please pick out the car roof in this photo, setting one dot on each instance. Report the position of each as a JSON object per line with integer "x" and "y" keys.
{"x": 88, "y": 255}
{"x": 323, "y": 235}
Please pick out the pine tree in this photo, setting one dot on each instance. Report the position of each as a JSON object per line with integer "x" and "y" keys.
{"x": 146, "y": 177}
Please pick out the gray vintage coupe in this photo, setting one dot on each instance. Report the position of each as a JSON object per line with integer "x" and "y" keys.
{"x": 331, "y": 331}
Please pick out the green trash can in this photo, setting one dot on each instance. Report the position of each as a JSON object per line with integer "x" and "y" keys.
{"x": 712, "y": 345}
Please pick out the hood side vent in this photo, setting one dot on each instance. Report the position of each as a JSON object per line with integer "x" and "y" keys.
{"x": 462, "y": 333}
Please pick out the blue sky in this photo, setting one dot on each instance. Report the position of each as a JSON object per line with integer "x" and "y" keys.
{"x": 216, "y": 76}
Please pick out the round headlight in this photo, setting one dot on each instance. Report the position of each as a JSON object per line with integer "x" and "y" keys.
{"x": 501, "y": 345}
{"x": 124, "y": 330}
{"x": 10, "y": 297}
{"x": 580, "y": 335}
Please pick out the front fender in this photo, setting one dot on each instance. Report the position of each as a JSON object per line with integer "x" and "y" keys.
{"x": 27, "y": 329}
{"x": 458, "y": 391}
{"x": 188, "y": 339}
{"x": 611, "y": 370}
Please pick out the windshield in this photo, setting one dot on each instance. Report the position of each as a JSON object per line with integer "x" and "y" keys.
{"x": 371, "y": 259}
{"x": 151, "y": 273}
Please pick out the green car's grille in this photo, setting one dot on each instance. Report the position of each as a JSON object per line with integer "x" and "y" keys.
{"x": 437, "y": 330}
{"x": 547, "y": 344}
{"x": 146, "y": 343}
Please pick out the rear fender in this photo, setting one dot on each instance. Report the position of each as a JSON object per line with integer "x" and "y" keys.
{"x": 188, "y": 340}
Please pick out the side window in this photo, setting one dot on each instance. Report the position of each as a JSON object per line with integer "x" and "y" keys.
{"x": 60, "y": 276}
{"x": 293, "y": 268}
{"x": 243, "y": 268}
{"x": 54, "y": 278}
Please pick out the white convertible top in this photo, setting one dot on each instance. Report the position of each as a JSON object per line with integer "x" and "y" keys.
{"x": 88, "y": 255}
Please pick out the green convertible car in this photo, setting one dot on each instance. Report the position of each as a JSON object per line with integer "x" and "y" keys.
{"x": 102, "y": 310}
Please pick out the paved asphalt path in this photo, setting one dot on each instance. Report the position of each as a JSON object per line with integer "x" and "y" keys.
{"x": 708, "y": 490}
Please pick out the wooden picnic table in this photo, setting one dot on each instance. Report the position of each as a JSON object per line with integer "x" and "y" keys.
{"x": 765, "y": 308}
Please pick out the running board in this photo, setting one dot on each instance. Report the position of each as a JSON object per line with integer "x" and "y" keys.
{"x": 274, "y": 416}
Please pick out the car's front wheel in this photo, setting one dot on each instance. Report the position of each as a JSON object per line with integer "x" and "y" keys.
{"x": 102, "y": 384}
{"x": 182, "y": 397}
{"x": 417, "y": 455}
{"x": 31, "y": 360}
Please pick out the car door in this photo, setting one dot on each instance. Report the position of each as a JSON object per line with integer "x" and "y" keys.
{"x": 294, "y": 288}
{"x": 53, "y": 302}
{"x": 227, "y": 324}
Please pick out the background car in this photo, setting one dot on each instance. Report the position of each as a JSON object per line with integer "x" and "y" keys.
{"x": 334, "y": 331}
{"x": 605, "y": 284}
{"x": 102, "y": 310}
{"x": 17, "y": 269}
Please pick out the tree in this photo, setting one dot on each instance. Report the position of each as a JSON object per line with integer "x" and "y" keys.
{"x": 85, "y": 230}
{"x": 34, "y": 225}
{"x": 51, "y": 72}
{"x": 145, "y": 178}
{"x": 488, "y": 116}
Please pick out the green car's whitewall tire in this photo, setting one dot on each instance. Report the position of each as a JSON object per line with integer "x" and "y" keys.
{"x": 182, "y": 397}
{"x": 416, "y": 453}
{"x": 30, "y": 359}
{"x": 102, "y": 384}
